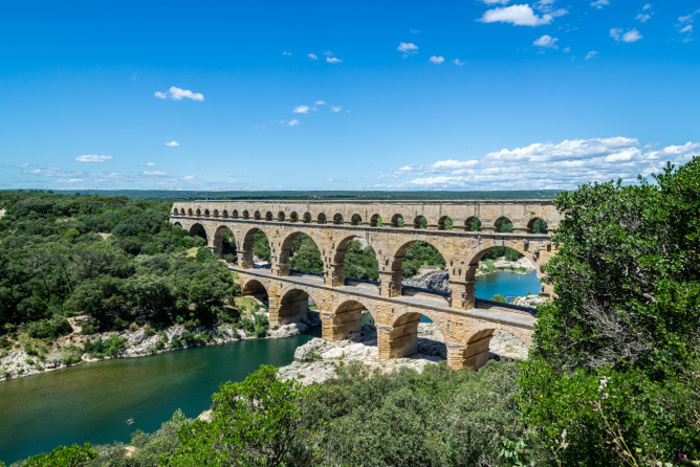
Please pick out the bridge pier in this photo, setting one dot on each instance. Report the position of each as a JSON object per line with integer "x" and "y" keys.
{"x": 399, "y": 340}
{"x": 390, "y": 283}
{"x": 338, "y": 326}
{"x": 462, "y": 294}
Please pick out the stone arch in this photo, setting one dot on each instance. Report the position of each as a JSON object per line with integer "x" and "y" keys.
{"x": 206, "y": 213}
{"x": 175, "y": 212}
{"x": 215, "y": 213}
{"x": 254, "y": 287}
{"x": 396, "y": 259}
{"x": 503, "y": 225}
{"x": 281, "y": 216}
{"x": 292, "y": 306}
{"x": 356, "y": 219}
{"x": 346, "y": 319}
{"x": 189, "y": 212}
{"x": 474, "y": 350}
{"x": 476, "y": 256}
{"x": 283, "y": 265}
{"x": 375, "y": 220}
{"x": 472, "y": 224}
{"x": 338, "y": 219}
{"x": 339, "y": 264}
{"x": 198, "y": 230}
{"x": 400, "y": 338}
{"x": 182, "y": 211}
{"x": 397, "y": 220}
{"x": 199, "y": 212}
{"x": 245, "y": 255}
{"x": 420, "y": 222}
{"x": 537, "y": 225}
{"x": 246, "y": 214}
{"x": 234, "y": 214}
{"x": 178, "y": 225}
{"x": 256, "y": 215}
{"x": 221, "y": 246}
{"x": 306, "y": 218}
{"x": 268, "y": 216}
{"x": 293, "y": 217}
{"x": 445, "y": 223}
{"x": 321, "y": 219}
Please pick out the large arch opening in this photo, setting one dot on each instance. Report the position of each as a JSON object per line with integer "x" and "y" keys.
{"x": 505, "y": 275}
{"x": 257, "y": 291}
{"x": 419, "y": 268}
{"x": 198, "y": 230}
{"x": 225, "y": 244}
{"x": 413, "y": 334}
{"x": 486, "y": 344}
{"x": 356, "y": 262}
{"x": 255, "y": 250}
{"x": 293, "y": 307}
{"x": 347, "y": 323}
{"x": 301, "y": 254}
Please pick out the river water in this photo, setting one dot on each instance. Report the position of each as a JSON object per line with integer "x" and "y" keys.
{"x": 91, "y": 402}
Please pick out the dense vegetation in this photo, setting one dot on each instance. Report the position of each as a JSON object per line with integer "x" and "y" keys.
{"x": 115, "y": 259}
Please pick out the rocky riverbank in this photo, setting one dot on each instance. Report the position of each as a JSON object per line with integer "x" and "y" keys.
{"x": 318, "y": 359}
{"x": 69, "y": 350}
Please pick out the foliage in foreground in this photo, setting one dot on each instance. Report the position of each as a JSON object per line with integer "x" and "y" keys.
{"x": 614, "y": 377}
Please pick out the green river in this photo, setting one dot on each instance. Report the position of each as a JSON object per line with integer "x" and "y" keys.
{"x": 92, "y": 402}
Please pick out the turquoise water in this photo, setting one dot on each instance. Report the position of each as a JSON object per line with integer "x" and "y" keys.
{"x": 91, "y": 402}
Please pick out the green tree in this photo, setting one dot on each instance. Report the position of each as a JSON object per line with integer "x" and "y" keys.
{"x": 613, "y": 377}
{"x": 256, "y": 422}
{"x": 73, "y": 456}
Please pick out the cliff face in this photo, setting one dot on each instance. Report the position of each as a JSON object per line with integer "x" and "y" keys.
{"x": 436, "y": 280}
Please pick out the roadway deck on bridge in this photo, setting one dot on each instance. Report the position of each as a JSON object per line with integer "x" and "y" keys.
{"x": 500, "y": 315}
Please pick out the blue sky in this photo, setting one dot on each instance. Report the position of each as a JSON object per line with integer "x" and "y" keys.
{"x": 468, "y": 95}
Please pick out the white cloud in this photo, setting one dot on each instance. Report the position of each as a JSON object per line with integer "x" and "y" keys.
{"x": 518, "y": 15}
{"x": 320, "y": 102}
{"x": 312, "y": 56}
{"x": 408, "y": 48}
{"x": 172, "y": 144}
{"x": 567, "y": 50}
{"x": 599, "y": 4}
{"x": 286, "y": 53}
{"x": 646, "y": 7}
{"x": 154, "y": 173}
{"x": 546, "y": 166}
{"x": 415, "y": 31}
{"x": 293, "y": 122}
{"x": 496, "y": 2}
{"x": 150, "y": 164}
{"x": 93, "y": 158}
{"x": 437, "y": 60}
{"x": 688, "y": 28}
{"x": 301, "y": 109}
{"x": 643, "y": 17}
{"x": 336, "y": 108}
{"x": 458, "y": 62}
{"x": 333, "y": 60}
{"x": 546, "y": 41}
{"x": 591, "y": 54}
{"x": 177, "y": 94}
{"x": 630, "y": 36}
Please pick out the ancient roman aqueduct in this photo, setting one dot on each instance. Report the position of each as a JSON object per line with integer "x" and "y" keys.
{"x": 334, "y": 224}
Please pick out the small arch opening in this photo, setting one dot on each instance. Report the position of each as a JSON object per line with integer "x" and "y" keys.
{"x": 503, "y": 225}
{"x": 375, "y": 221}
{"x": 199, "y": 212}
{"x": 445, "y": 223}
{"x": 281, "y": 216}
{"x": 397, "y": 220}
{"x": 206, "y": 213}
{"x": 189, "y": 211}
{"x": 257, "y": 215}
{"x": 246, "y": 215}
{"x": 420, "y": 222}
{"x": 537, "y": 226}
{"x": 321, "y": 218}
{"x": 356, "y": 219}
{"x": 472, "y": 224}
{"x": 268, "y": 216}
{"x": 293, "y": 217}
{"x": 338, "y": 219}
{"x": 306, "y": 218}
{"x": 216, "y": 213}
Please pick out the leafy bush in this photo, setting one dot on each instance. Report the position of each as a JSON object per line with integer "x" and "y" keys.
{"x": 99, "y": 348}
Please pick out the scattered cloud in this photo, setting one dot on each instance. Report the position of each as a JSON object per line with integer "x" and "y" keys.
{"x": 546, "y": 41}
{"x": 313, "y": 56}
{"x": 336, "y": 108}
{"x": 646, "y": 7}
{"x": 172, "y": 144}
{"x": 93, "y": 158}
{"x": 301, "y": 109}
{"x": 517, "y": 15}
{"x": 685, "y": 25}
{"x": 178, "y": 94}
{"x": 458, "y": 62}
{"x": 151, "y": 164}
{"x": 320, "y": 102}
{"x": 591, "y": 54}
{"x": 415, "y": 31}
{"x": 567, "y": 50}
{"x": 561, "y": 165}
{"x": 688, "y": 28}
{"x": 437, "y": 60}
{"x": 599, "y": 4}
{"x": 293, "y": 122}
{"x": 495, "y": 2}
{"x": 630, "y": 36}
{"x": 286, "y": 53}
{"x": 643, "y": 17}
{"x": 333, "y": 60}
{"x": 408, "y": 48}
{"x": 154, "y": 173}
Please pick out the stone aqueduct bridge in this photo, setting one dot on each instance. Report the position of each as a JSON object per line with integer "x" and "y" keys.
{"x": 333, "y": 225}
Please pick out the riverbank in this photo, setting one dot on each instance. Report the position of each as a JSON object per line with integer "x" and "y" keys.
{"x": 69, "y": 350}
{"x": 318, "y": 360}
